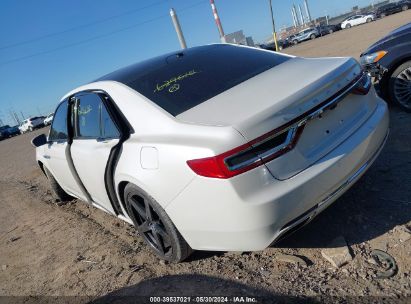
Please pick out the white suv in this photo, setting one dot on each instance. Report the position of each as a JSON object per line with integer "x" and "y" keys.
{"x": 31, "y": 123}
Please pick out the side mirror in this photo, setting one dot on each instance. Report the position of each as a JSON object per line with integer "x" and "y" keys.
{"x": 39, "y": 141}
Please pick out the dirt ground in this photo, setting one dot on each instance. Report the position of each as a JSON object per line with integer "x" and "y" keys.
{"x": 73, "y": 249}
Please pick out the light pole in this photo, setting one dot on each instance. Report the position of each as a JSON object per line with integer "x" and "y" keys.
{"x": 272, "y": 20}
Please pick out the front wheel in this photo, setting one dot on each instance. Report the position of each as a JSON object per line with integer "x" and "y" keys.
{"x": 154, "y": 225}
{"x": 348, "y": 26}
{"x": 405, "y": 7}
{"x": 369, "y": 20}
{"x": 312, "y": 37}
{"x": 330, "y": 32}
{"x": 383, "y": 15}
{"x": 399, "y": 87}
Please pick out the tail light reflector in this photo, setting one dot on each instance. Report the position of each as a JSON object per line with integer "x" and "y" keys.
{"x": 248, "y": 156}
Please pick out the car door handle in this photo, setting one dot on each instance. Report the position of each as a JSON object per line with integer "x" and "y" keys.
{"x": 104, "y": 140}
{"x": 46, "y": 156}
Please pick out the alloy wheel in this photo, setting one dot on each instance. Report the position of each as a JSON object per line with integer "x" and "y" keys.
{"x": 150, "y": 226}
{"x": 402, "y": 88}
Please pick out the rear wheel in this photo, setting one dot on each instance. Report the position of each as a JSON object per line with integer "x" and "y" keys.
{"x": 400, "y": 86}
{"x": 369, "y": 20}
{"x": 348, "y": 26}
{"x": 330, "y": 31}
{"x": 295, "y": 42}
{"x": 154, "y": 225}
{"x": 405, "y": 7}
{"x": 312, "y": 37}
{"x": 383, "y": 15}
{"x": 58, "y": 193}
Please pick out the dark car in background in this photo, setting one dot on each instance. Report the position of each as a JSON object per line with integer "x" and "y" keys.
{"x": 328, "y": 29}
{"x": 282, "y": 44}
{"x": 392, "y": 8}
{"x": 389, "y": 61}
{"x": 7, "y": 131}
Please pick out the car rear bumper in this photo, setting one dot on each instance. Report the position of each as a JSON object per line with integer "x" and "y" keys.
{"x": 252, "y": 210}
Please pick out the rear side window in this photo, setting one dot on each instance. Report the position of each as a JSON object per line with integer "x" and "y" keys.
{"x": 93, "y": 119}
{"x": 88, "y": 116}
{"x": 58, "y": 129}
{"x": 108, "y": 128}
{"x": 181, "y": 81}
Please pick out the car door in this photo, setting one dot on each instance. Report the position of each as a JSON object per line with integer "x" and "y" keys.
{"x": 357, "y": 20}
{"x": 57, "y": 153}
{"x": 95, "y": 135}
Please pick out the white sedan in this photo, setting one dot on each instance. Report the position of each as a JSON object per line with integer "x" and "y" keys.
{"x": 30, "y": 124}
{"x": 219, "y": 147}
{"x": 357, "y": 20}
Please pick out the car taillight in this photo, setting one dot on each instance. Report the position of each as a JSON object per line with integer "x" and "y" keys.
{"x": 248, "y": 156}
{"x": 363, "y": 86}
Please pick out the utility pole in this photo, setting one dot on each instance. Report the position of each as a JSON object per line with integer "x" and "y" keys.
{"x": 272, "y": 20}
{"x": 22, "y": 115}
{"x": 307, "y": 10}
{"x": 177, "y": 27}
{"x": 301, "y": 15}
{"x": 218, "y": 21}
{"x": 293, "y": 15}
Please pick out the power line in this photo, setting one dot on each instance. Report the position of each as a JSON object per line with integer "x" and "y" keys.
{"x": 78, "y": 27}
{"x": 96, "y": 37}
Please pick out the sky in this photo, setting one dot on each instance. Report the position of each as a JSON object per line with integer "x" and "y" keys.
{"x": 49, "y": 47}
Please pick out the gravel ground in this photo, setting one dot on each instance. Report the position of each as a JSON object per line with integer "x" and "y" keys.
{"x": 77, "y": 250}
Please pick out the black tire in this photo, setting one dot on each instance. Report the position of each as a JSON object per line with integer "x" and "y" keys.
{"x": 312, "y": 37}
{"x": 295, "y": 42}
{"x": 348, "y": 26}
{"x": 395, "y": 86}
{"x": 383, "y": 15}
{"x": 369, "y": 20}
{"x": 31, "y": 129}
{"x": 330, "y": 32}
{"x": 58, "y": 193}
{"x": 405, "y": 7}
{"x": 154, "y": 225}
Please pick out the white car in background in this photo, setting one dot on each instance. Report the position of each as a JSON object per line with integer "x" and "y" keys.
{"x": 219, "y": 147}
{"x": 48, "y": 120}
{"x": 357, "y": 20}
{"x": 30, "y": 124}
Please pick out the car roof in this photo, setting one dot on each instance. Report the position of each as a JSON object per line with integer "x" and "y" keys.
{"x": 124, "y": 74}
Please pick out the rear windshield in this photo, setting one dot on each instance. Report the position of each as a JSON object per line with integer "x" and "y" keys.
{"x": 181, "y": 81}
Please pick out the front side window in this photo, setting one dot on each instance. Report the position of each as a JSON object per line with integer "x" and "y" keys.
{"x": 58, "y": 129}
